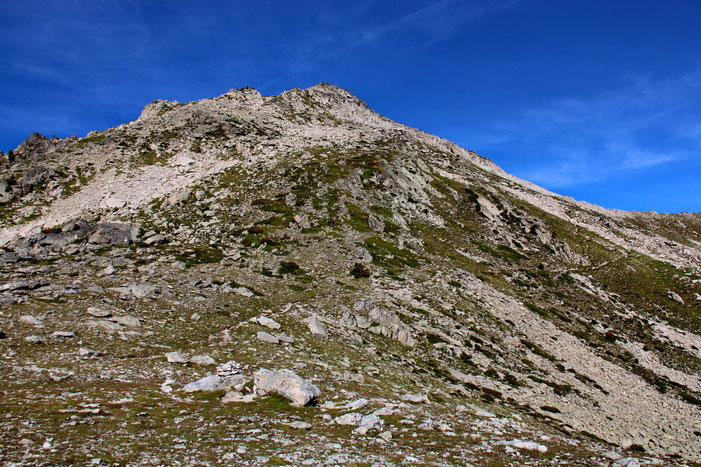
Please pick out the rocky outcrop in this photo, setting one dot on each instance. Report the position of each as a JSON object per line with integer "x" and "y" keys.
{"x": 72, "y": 235}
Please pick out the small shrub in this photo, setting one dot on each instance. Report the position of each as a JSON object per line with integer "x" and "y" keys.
{"x": 289, "y": 267}
{"x": 196, "y": 146}
{"x": 360, "y": 270}
{"x": 50, "y": 230}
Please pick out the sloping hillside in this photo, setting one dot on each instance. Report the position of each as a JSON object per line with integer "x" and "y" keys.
{"x": 447, "y": 311}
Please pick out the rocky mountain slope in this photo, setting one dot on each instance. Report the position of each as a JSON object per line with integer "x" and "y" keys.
{"x": 168, "y": 286}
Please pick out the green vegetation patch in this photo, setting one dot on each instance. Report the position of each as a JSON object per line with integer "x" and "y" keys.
{"x": 289, "y": 267}
{"x": 90, "y": 140}
{"x": 388, "y": 255}
{"x": 273, "y": 205}
{"x": 358, "y": 218}
{"x": 200, "y": 255}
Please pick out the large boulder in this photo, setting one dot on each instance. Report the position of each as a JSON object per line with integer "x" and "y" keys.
{"x": 110, "y": 233}
{"x": 287, "y": 384}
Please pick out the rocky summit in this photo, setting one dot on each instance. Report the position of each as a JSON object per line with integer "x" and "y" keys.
{"x": 296, "y": 279}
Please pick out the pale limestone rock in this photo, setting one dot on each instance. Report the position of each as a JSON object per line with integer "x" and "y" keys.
{"x": 316, "y": 328}
{"x": 176, "y": 357}
{"x": 268, "y": 322}
{"x": 266, "y": 337}
{"x": 287, "y": 384}
{"x": 203, "y": 360}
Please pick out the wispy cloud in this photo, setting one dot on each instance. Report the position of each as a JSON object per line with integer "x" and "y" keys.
{"x": 407, "y": 32}
{"x": 436, "y": 20}
{"x": 641, "y": 124}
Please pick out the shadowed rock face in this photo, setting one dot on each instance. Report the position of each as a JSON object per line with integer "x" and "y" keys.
{"x": 74, "y": 235}
{"x": 477, "y": 314}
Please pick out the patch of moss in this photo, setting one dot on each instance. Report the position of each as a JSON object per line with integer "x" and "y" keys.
{"x": 358, "y": 218}
{"x": 200, "y": 255}
{"x": 273, "y": 205}
{"x": 388, "y": 255}
{"x": 90, "y": 140}
{"x": 289, "y": 267}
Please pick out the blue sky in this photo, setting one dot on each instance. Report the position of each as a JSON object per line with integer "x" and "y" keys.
{"x": 599, "y": 100}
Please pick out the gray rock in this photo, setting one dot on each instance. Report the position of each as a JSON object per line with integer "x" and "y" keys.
{"x": 265, "y": 337}
{"x": 203, "y": 360}
{"x": 179, "y": 197}
{"x": 63, "y": 334}
{"x": 375, "y": 223}
{"x": 176, "y": 357}
{"x": 353, "y": 418}
{"x": 243, "y": 291}
{"x": 210, "y": 383}
{"x": 127, "y": 320}
{"x": 25, "y": 285}
{"x": 236, "y": 396}
{"x": 6, "y": 194}
{"x": 229, "y": 368}
{"x": 525, "y": 445}
{"x": 427, "y": 425}
{"x": 5, "y": 300}
{"x": 34, "y": 339}
{"x": 303, "y": 221}
{"x": 114, "y": 234}
{"x": 105, "y": 324}
{"x": 370, "y": 422}
{"x": 83, "y": 352}
{"x": 356, "y": 404}
{"x": 364, "y": 254}
{"x": 390, "y": 325}
{"x": 287, "y": 384}
{"x": 98, "y": 312}
{"x": 282, "y": 337}
{"x": 300, "y": 425}
{"x": 628, "y": 462}
{"x": 415, "y": 398}
{"x": 613, "y": 455}
{"x": 316, "y": 327}
{"x": 362, "y": 322}
{"x": 487, "y": 208}
{"x": 268, "y": 323}
{"x": 29, "y": 319}
{"x": 405, "y": 336}
{"x": 108, "y": 271}
{"x": 143, "y": 290}
{"x": 385, "y": 411}
{"x": 675, "y": 296}
{"x": 154, "y": 240}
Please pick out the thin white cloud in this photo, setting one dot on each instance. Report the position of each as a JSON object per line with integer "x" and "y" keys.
{"x": 640, "y": 125}
{"x": 425, "y": 26}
